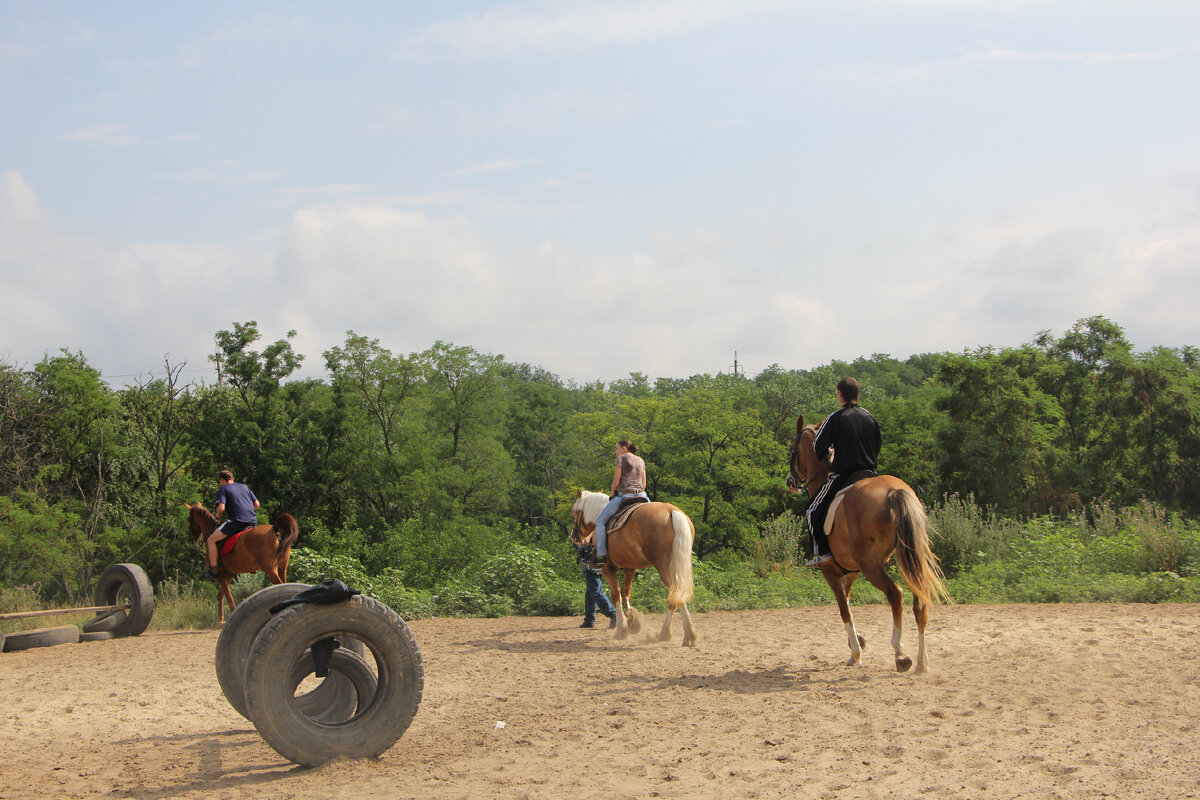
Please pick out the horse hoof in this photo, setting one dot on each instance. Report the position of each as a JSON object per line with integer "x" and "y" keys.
{"x": 903, "y": 663}
{"x": 621, "y": 634}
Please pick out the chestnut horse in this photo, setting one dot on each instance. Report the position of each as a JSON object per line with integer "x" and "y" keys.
{"x": 265, "y": 547}
{"x": 656, "y": 535}
{"x": 877, "y": 517}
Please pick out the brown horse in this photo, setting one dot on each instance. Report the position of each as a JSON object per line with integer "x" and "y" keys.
{"x": 265, "y": 547}
{"x": 656, "y": 535}
{"x": 877, "y": 517}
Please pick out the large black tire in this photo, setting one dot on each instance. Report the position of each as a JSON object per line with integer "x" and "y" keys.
{"x": 375, "y": 727}
{"x": 354, "y": 686}
{"x": 238, "y": 635}
{"x": 127, "y": 584}
{"x": 105, "y": 621}
{"x": 42, "y": 637}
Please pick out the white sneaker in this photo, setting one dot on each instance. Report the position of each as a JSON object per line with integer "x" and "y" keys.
{"x": 819, "y": 560}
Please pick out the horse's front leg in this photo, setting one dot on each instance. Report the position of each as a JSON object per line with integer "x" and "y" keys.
{"x": 614, "y": 589}
{"x": 223, "y": 595}
{"x": 635, "y": 619}
{"x": 840, "y": 584}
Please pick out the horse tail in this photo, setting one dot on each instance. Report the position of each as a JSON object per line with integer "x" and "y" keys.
{"x": 679, "y": 568}
{"x": 288, "y": 532}
{"x": 918, "y": 563}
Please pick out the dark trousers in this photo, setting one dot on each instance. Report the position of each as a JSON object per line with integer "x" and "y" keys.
{"x": 595, "y": 597}
{"x": 817, "y": 510}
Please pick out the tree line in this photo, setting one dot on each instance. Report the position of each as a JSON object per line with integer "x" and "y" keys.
{"x": 421, "y": 464}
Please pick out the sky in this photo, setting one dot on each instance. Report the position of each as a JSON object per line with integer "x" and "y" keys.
{"x": 595, "y": 188}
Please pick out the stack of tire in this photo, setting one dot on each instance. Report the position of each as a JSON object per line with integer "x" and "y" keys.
{"x": 359, "y": 709}
{"x": 120, "y": 584}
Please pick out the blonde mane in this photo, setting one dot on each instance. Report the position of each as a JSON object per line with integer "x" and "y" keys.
{"x": 589, "y": 505}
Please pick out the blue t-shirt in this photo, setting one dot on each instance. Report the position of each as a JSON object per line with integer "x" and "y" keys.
{"x": 239, "y": 502}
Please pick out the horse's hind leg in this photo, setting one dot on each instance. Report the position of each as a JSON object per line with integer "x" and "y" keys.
{"x": 689, "y": 632}
{"x": 895, "y": 597}
{"x": 665, "y": 634}
{"x": 921, "y": 612}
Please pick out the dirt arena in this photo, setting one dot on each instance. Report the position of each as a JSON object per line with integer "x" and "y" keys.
{"x": 1055, "y": 701}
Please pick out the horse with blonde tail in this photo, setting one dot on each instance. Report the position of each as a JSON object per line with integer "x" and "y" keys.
{"x": 655, "y": 535}
{"x": 867, "y": 523}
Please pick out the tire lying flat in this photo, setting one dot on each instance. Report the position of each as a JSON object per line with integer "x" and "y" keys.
{"x": 41, "y": 637}
{"x": 377, "y": 725}
{"x": 127, "y": 584}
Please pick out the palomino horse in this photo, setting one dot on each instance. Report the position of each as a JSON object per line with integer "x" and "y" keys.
{"x": 656, "y": 535}
{"x": 877, "y": 517}
{"x": 265, "y": 547}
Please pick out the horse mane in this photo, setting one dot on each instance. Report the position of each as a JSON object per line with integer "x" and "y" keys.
{"x": 590, "y": 505}
{"x": 200, "y": 511}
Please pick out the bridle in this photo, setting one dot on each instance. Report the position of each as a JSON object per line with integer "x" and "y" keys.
{"x": 797, "y": 479}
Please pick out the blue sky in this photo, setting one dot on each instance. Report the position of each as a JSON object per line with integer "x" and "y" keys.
{"x": 595, "y": 188}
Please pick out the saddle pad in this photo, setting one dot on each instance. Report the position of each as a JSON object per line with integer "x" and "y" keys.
{"x": 624, "y": 513}
{"x": 833, "y": 507}
{"x": 228, "y": 544}
{"x": 855, "y": 477}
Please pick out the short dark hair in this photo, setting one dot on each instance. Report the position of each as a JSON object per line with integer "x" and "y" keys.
{"x": 628, "y": 445}
{"x": 225, "y": 475}
{"x": 849, "y": 389}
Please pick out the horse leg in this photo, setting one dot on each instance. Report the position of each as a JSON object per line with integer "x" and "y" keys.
{"x": 921, "y": 612}
{"x": 223, "y": 594}
{"x": 635, "y": 619}
{"x": 614, "y": 588}
{"x": 880, "y": 580}
{"x": 841, "y": 590}
{"x": 665, "y": 634}
{"x": 689, "y": 633}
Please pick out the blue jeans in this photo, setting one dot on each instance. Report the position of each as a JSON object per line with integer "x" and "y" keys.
{"x": 605, "y": 515}
{"x": 595, "y": 597}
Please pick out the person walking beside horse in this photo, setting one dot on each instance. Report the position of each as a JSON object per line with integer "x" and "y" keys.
{"x": 240, "y": 503}
{"x": 854, "y": 437}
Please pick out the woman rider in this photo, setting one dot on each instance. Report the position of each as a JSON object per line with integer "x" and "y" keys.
{"x": 629, "y": 480}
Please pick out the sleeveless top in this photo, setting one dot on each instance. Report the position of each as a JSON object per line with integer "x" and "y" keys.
{"x": 633, "y": 473}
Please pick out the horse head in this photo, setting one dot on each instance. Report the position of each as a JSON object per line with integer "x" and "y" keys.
{"x": 200, "y": 520}
{"x": 804, "y": 468}
{"x": 584, "y": 511}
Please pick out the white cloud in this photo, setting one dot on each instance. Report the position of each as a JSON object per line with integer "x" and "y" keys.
{"x": 568, "y": 27}
{"x": 109, "y": 134}
{"x": 502, "y": 164}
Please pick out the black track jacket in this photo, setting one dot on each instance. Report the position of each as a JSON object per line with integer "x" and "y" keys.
{"x": 854, "y": 436}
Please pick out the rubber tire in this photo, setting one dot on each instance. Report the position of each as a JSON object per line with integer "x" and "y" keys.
{"x": 105, "y": 621}
{"x": 354, "y": 686}
{"x": 237, "y": 637}
{"x": 95, "y": 636}
{"x": 375, "y": 727}
{"x": 133, "y": 580}
{"x": 41, "y": 637}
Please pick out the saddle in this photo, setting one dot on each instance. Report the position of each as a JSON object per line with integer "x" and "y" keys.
{"x": 229, "y": 543}
{"x": 854, "y": 478}
{"x": 624, "y": 512}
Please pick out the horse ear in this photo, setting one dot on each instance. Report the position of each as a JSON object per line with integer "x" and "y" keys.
{"x": 799, "y": 424}
{"x": 579, "y": 494}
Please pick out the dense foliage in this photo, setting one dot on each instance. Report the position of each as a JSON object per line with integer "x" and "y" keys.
{"x": 441, "y": 480}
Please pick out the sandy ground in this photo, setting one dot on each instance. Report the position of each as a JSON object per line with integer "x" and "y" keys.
{"x": 1056, "y": 701}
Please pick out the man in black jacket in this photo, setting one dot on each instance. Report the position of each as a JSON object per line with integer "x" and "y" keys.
{"x": 853, "y": 436}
